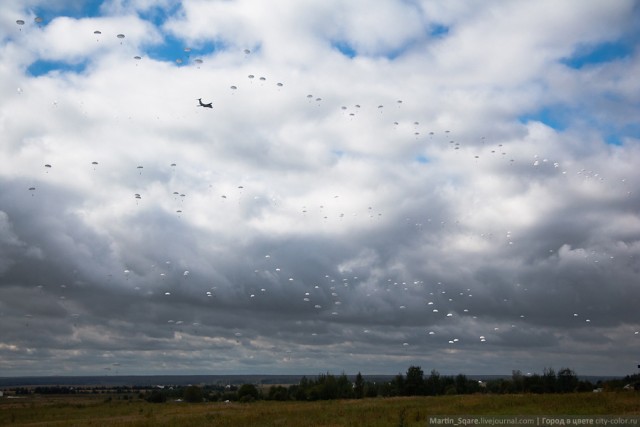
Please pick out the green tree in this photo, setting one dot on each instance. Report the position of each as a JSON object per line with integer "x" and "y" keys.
{"x": 345, "y": 388}
{"x": 248, "y": 393}
{"x": 549, "y": 380}
{"x": 517, "y": 380}
{"x": 498, "y": 386}
{"x": 566, "y": 381}
{"x": 370, "y": 389}
{"x": 156, "y": 396}
{"x": 358, "y": 386}
{"x": 396, "y": 386}
{"x": 278, "y": 392}
{"x": 327, "y": 387}
{"x": 533, "y": 384}
{"x": 302, "y": 390}
{"x": 414, "y": 382}
{"x": 193, "y": 394}
{"x": 462, "y": 384}
{"x": 433, "y": 384}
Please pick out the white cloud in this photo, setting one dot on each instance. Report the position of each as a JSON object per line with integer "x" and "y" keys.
{"x": 449, "y": 196}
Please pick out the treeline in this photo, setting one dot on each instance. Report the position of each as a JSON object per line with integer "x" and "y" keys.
{"x": 564, "y": 381}
{"x": 416, "y": 383}
{"x": 413, "y": 383}
{"x": 327, "y": 387}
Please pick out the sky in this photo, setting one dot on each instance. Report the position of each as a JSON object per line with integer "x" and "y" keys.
{"x": 451, "y": 185}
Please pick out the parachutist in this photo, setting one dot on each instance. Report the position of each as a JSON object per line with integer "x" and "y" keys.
{"x": 203, "y": 104}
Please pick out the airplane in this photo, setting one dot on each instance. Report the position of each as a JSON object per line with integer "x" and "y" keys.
{"x": 203, "y": 104}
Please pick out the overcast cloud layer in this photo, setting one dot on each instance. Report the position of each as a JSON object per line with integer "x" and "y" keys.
{"x": 446, "y": 184}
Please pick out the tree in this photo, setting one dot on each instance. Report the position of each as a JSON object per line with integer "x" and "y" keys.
{"x": 156, "y": 396}
{"x": 370, "y": 389}
{"x": 549, "y": 380}
{"x": 499, "y": 386}
{"x": 533, "y": 384}
{"x": 248, "y": 393}
{"x": 326, "y": 388}
{"x": 518, "y": 381}
{"x": 414, "y": 383}
{"x": 566, "y": 381}
{"x": 358, "y": 387}
{"x": 396, "y": 386}
{"x": 433, "y": 384}
{"x": 302, "y": 390}
{"x": 345, "y": 388}
{"x": 278, "y": 392}
{"x": 193, "y": 394}
{"x": 462, "y": 384}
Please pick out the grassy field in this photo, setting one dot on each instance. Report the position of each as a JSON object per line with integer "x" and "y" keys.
{"x": 407, "y": 412}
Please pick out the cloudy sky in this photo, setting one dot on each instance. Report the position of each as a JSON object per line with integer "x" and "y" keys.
{"x": 450, "y": 184}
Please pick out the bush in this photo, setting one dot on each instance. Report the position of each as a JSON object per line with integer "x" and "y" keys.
{"x": 248, "y": 391}
{"x": 278, "y": 392}
{"x": 156, "y": 396}
{"x": 193, "y": 394}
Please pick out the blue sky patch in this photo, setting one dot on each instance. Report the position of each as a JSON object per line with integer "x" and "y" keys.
{"x": 555, "y": 117}
{"x": 613, "y": 139}
{"x": 349, "y": 51}
{"x": 42, "y": 67}
{"x": 616, "y": 136}
{"x": 597, "y": 54}
{"x": 422, "y": 159}
{"x": 438, "y": 30}
{"x": 345, "y": 48}
{"x": 158, "y": 15}
{"x": 173, "y": 49}
{"x": 77, "y": 10}
{"x": 560, "y": 118}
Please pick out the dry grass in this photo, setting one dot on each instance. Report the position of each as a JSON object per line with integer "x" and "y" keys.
{"x": 66, "y": 411}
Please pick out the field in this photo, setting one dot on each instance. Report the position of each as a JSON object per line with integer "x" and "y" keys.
{"x": 92, "y": 410}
